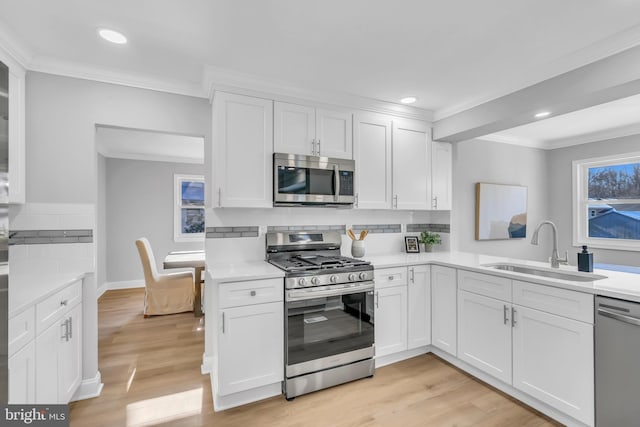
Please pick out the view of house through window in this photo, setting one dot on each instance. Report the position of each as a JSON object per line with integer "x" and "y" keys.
{"x": 615, "y": 192}
{"x": 189, "y": 213}
{"x": 607, "y": 192}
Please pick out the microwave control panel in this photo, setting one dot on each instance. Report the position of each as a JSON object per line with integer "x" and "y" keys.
{"x": 346, "y": 183}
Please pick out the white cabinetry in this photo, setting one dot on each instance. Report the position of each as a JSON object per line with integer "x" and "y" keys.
{"x": 484, "y": 334}
{"x": 15, "y": 112}
{"x": 22, "y": 383}
{"x": 411, "y": 165}
{"x": 242, "y": 151}
{"x": 419, "y": 306}
{"x": 372, "y": 154}
{"x": 444, "y": 308}
{"x": 441, "y": 176}
{"x": 301, "y": 129}
{"x": 390, "y": 310}
{"x": 250, "y": 335}
{"x": 59, "y": 346}
{"x": 535, "y": 337}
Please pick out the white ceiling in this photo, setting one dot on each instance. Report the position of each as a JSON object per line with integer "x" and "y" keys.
{"x": 451, "y": 54}
{"x": 136, "y": 144}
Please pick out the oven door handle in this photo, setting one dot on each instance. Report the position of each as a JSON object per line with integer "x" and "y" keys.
{"x": 299, "y": 295}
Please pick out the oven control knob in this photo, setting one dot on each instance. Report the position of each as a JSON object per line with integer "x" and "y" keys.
{"x": 314, "y": 281}
{"x": 352, "y": 277}
{"x": 362, "y": 276}
{"x": 302, "y": 281}
{"x": 333, "y": 278}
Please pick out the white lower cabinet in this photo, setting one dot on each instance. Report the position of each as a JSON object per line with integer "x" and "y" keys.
{"x": 390, "y": 320}
{"x": 444, "y": 308}
{"x": 59, "y": 359}
{"x": 22, "y": 371}
{"x": 419, "y": 306}
{"x": 553, "y": 361}
{"x": 484, "y": 334}
{"x": 545, "y": 350}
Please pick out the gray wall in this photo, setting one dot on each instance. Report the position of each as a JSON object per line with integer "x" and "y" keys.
{"x": 483, "y": 161}
{"x": 101, "y": 223}
{"x": 560, "y": 190}
{"x": 139, "y": 203}
{"x": 61, "y": 115}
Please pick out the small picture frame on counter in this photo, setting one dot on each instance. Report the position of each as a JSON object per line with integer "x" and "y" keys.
{"x": 411, "y": 244}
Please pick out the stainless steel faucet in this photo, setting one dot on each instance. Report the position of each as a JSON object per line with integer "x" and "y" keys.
{"x": 555, "y": 257}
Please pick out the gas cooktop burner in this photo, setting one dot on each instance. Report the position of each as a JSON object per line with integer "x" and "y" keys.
{"x": 316, "y": 262}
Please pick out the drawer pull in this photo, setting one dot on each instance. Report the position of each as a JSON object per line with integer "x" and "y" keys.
{"x": 253, "y": 293}
{"x": 64, "y": 302}
{"x": 390, "y": 277}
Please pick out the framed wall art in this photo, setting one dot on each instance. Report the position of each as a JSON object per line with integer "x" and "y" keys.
{"x": 501, "y": 211}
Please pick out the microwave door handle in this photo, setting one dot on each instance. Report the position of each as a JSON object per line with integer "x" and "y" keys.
{"x": 336, "y": 181}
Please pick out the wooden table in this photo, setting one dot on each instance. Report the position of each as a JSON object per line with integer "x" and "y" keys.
{"x": 189, "y": 259}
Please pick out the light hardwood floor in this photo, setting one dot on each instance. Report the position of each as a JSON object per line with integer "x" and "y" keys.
{"x": 151, "y": 374}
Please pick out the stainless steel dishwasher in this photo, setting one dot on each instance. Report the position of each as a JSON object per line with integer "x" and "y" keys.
{"x": 617, "y": 353}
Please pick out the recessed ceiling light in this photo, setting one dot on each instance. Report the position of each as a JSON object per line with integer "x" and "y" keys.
{"x": 409, "y": 100}
{"x": 542, "y": 114}
{"x": 112, "y": 36}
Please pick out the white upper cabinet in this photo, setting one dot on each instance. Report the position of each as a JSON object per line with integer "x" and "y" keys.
{"x": 300, "y": 129}
{"x": 242, "y": 151}
{"x": 372, "y": 154}
{"x": 441, "y": 175}
{"x": 411, "y": 165}
{"x": 294, "y": 129}
{"x": 13, "y": 93}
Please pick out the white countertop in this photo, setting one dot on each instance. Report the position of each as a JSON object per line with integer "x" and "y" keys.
{"x": 240, "y": 271}
{"x": 28, "y": 290}
{"x": 617, "y": 284}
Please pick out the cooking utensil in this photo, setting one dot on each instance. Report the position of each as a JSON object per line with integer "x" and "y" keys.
{"x": 350, "y": 234}
{"x": 364, "y": 234}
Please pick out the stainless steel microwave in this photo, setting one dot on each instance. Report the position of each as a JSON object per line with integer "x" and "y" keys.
{"x": 311, "y": 180}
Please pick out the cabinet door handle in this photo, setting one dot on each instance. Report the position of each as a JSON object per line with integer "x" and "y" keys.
{"x": 65, "y": 326}
{"x": 318, "y": 147}
{"x": 513, "y": 317}
{"x": 70, "y": 327}
{"x": 435, "y": 202}
{"x": 313, "y": 147}
{"x": 219, "y": 197}
{"x": 505, "y": 314}
{"x": 395, "y": 201}
{"x": 377, "y": 299}
{"x": 413, "y": 275}
{"x": 356, "y": 200}
{"x": 223, "y": 322}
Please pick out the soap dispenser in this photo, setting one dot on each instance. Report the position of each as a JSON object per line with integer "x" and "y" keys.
{"x": 585, "y": 260}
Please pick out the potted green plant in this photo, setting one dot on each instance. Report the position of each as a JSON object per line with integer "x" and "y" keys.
{"x": 428, "y": 239}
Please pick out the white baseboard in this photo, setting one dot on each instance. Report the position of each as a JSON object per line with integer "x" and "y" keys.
{"x": 89, "y": 388}
{"x": 101, "y": 290}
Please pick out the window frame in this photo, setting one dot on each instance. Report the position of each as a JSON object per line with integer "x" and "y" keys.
{"x": 178, "y": 235}
{"x": 581, "y": 202}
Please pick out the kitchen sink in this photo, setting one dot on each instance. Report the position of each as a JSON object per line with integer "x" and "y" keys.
{"x": 547, "y": 272}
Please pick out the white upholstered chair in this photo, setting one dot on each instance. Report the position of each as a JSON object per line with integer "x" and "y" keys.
{"x": 164, "y": 293}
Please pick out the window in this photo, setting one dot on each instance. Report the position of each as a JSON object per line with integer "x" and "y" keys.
{"x": 607, "y": 202}
{"x": 188, "y": 216}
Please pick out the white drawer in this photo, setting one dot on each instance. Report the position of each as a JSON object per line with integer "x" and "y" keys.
{"x": 236, "y": 294}
{"x": 21, "y": 330}
{"x": 485, "y": 284}
{"x": 388, "y": 277}
{"x": 562, "y": 302}
{"x": 57, "y": 305}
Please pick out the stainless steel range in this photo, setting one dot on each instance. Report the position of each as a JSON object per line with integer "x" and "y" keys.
{"x": 329, "y": 332}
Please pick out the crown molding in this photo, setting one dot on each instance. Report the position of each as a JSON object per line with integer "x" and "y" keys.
{"x": 141, "y": 81}
{"x": 13, "y": 50}
{"x": 220, "y": 79}
{"x": 603, "y": 135}
{"x": 601, "y": 49}
{"x": 522, "y": 142}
